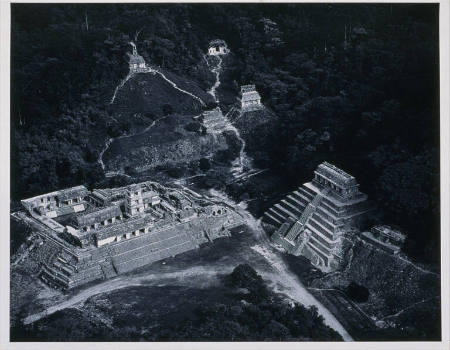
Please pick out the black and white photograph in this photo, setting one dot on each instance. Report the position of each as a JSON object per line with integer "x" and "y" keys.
{"x": 225, "y": 172}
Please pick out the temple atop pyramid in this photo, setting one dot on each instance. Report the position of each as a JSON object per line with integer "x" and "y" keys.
{"x": 218, "y": 47}
{"x": 250, "y": 98}
{"x": 136, "y": 62}
{"x": 317, "y": 220}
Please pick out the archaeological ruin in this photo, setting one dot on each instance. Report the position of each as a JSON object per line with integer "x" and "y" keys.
{"x": 94, "y": 235}
{"x": 218, "y": 47}
{"x": 136, "y": 62}
{"x": 214, "y": 120}
{"x": 385, "y": 238}
{"x": 318, "y": 220}
{"x": 250, "y": 98}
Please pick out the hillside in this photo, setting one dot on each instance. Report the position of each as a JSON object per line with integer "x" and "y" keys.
{"x": 167, "y": 143}
{"x": 150, "y": 94}
{"x": 258, "y": 129}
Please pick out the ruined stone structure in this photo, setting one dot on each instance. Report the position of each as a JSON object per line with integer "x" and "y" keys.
{"x": 250, "y": 99}
{"x": 218, "y": 47}
{"x": 214, "y": 120}
{"x": 58, "y": 203}
{"x": 96, "y": 235}
{"x": 318, "y": 219}
{"x": 385, "y": 237}
{"x": 136, "y": 62}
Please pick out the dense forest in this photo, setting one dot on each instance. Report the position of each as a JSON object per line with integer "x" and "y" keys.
{"x": 356, "y": 85}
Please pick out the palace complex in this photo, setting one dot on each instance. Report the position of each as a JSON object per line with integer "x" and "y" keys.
{"x": 318, "y": 220}
{"x": 96, "y": 235}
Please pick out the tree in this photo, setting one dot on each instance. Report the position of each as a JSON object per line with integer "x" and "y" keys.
{"x": 204, "y": 164}
{"x": 357, "y": 292}
{"x": 167, "y": 109}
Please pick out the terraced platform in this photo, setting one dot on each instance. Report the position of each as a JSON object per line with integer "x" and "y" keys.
{"x": 105, "y": 262}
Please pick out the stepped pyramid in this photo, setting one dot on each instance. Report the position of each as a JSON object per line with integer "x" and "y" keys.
{"x": 316, "y": 220}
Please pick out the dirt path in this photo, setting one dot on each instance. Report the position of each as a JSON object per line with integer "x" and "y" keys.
{"x": 243, "y": 160}
{"x": 409, "y": 307}
{"x": 175, "y": 86}
{"x": 118, "y": 87}
{"x": 201, "y": 276}
{"x": 216, "y": 70}
{"x": 109, "y": 142}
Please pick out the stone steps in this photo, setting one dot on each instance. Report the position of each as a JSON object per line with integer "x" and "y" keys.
{"x": 277, "y": 214}
{"x": 292, "y": 207}
{"x": 286, "y": 211}
{"x": 301, "y": 205}
{"x": 108, "y": 270}
{"x": 325, "y": 222}
{"x": 306, "y": 214}
{"x": 151, "y": 257}
{"x": 320, "y": 231}
{"x": 295, "y": 230}
{"x": 271, "y": 220}
{"x": 302, "y": 197}
{"x": 309, "y": 193}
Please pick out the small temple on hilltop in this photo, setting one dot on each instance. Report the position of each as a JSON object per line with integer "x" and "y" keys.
{"x": 250, "y": 98}
{"x": 218, "y": 47}
{"x": 319, "y": 219}
{"x": 136, "y": 62}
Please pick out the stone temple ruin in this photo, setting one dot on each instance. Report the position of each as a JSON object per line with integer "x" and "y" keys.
{"x": 317, "y": 220}
{"x": 218, "y": 47}
{"x": 385, "y": 238}
{"x": 214, "y": 121}
{"x": 96, "y": 235}
{"x": 136, "y": 62}
{"x": 250, "y": 98}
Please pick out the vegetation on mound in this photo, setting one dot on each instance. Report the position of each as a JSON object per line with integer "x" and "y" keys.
{"x": 392, "y": 290}
{"x": 166, "y": 144}
{"x": 258, "y": 129}
{"x": 357, "y": 292}
{"x": 241, "y": 310}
